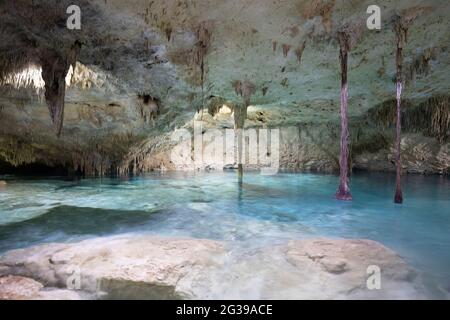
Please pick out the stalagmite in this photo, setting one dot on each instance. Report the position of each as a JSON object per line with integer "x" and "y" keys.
{"x": 343, "y": 192}
{"x": 401, "y": 31}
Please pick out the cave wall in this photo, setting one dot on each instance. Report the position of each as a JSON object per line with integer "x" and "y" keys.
{"x": 191, "y": 57}
{"x": 314, "y": 146}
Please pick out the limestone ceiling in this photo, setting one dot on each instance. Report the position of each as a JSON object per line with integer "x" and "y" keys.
{"x": 285, "y": 47}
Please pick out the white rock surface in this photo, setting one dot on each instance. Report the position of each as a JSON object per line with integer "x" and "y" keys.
{"x": 22, "y": 288}
{"x": 147, "y": 267}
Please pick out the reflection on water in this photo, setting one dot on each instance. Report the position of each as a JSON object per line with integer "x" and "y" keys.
{"x": 259, "y": 211}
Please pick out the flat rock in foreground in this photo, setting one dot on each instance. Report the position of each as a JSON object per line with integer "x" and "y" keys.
{"x": 122, "y": 267}
{"x": 147, "y": 267}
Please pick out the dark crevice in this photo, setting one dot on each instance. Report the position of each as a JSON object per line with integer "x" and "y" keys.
{"x": 33, "y": 169}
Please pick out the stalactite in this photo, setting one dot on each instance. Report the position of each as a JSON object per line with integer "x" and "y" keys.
{"x": 299, "y": 51}
{"x": 264, "y": 90}
{"x": 54, "y": 71}
{"x": 168, "y": 32}
{"x": 286, "y": 49}
{"x": 245, "y": 89}
{"x": 401, "y": 32}
{"x": 149, "y": 108}
{"x": 16, "y": 152}
{"x": 343, "y": 192}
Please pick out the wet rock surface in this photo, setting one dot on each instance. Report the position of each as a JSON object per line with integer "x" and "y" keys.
{"x": 148, "y": 267}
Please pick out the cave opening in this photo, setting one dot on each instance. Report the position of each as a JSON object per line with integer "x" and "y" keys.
{"x": 36, "y": 169}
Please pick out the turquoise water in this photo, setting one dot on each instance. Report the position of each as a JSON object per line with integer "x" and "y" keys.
{"x": 265, "y": 210}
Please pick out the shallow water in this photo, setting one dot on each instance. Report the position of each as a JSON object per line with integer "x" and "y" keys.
{"x": 265, "y": 210}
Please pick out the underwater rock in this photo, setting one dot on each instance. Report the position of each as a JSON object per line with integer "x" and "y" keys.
{"x": 346, "y": 265}
{"x": 167, "y": 268}
{"x": 317, "y": 269}
{"x": 150, "y": 267}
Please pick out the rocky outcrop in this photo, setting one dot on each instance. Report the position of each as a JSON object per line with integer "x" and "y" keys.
{"x": 149, "y": 267}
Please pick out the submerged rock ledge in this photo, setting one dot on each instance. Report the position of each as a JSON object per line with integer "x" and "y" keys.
{"x": 149, "y": 267}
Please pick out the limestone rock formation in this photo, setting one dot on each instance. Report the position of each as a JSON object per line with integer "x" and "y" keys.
{"x": 185, "y": 54}
{"x": 149, "y": 267}
{"x": 161, "y": 268}
{"x": 346, "y": 264}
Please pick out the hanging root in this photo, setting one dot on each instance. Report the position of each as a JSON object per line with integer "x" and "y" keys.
{"x": 203, "y": 33}
{"x": 203, "y": 44}
{"x": 343, "y": 192}
{"x": 401, "y": 35}
{"x": 240, "y": 114}
{"x": 400, "y": 26}
{"x": 245, "y": 89}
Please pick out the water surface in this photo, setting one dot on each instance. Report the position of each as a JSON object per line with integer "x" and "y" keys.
{"x": 266, "y": 210}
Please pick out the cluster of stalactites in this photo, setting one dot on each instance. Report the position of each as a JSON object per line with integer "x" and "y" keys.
{"x": 245, "y": 89}
{"x": 93, "y": 164}
{"x": 148, "y": 156}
